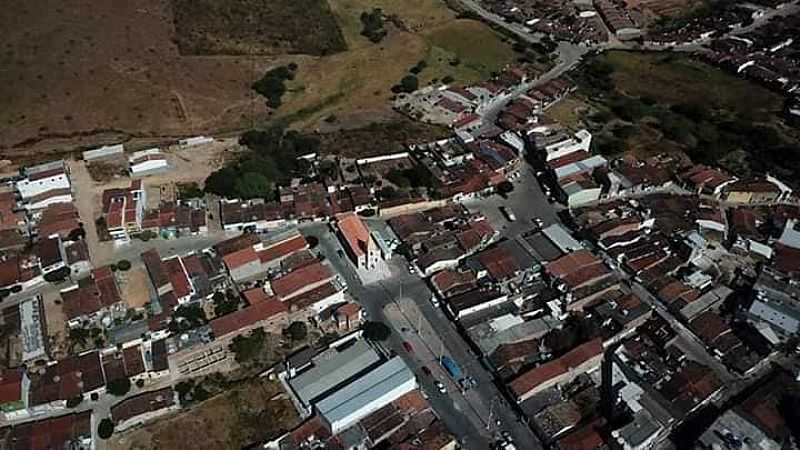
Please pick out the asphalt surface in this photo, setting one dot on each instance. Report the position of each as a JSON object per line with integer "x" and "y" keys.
{"x": 403, "y": 303}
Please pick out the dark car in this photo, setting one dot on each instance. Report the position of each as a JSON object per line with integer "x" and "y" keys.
{"x": 408, "y": 347}
{"x": 426, "y": 371}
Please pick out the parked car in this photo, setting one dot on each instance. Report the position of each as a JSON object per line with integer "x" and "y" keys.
{"x": 441, "y": 387}
{"x": 426, "y": 371}
{"x": 508, "y": 213}
{"x": 407, "y": 347}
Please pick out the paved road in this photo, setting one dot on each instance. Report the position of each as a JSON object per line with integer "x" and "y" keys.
{"x": 688, "y": 341}
{"x": 527, "y": 201}
{"x": 403, "y": 302}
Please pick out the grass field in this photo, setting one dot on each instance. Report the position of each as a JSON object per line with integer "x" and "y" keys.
{"x": 357, "y": 82}
{"x": 655, "y": 102}
{"x": 253, "y": 411}
{"x": 567, "y": 112}
{"x": 674, "y": 79}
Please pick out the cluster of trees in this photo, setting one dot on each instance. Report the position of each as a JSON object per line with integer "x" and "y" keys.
{"x": 272, "y": 160}
{"x": 296, "y": 331}
{"x": 187, "y": 317}
{"x": 373, "y": 22}
{"x": 190, "y": 391}
{"x": 119, "y": 386}
{"x": 416, "y": 176}
{"x": 248, "y": 347}
{"x": 408, "y": 84}
{"x": 273, "y": 84}
{"x": 376, "y": 331}
{"x": 225, "y": 303}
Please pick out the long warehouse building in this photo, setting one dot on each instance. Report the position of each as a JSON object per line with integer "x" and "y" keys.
{"x": 367, "y": 394}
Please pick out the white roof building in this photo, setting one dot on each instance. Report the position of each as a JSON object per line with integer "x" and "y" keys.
{"x": 367, "y": 394}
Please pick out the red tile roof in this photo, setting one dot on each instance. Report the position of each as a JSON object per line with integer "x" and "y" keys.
{"x": 245, "y": 317}
{"x": 282, "y": 249}
{"x": 499, "y": 262}
{"x": 255, "y": 295}
{"x": 177, "y": 277}
{"x": 237, "y": 243}
{"x": 290, "y": 283}
{"x": 10, "y": 385}
{"x": 354, "y": 231}
{"x": 240, "y": 257}
{"x": 786, "y": 259}
{"x": 570, "y": 262}
{"x": 549, "y": 370}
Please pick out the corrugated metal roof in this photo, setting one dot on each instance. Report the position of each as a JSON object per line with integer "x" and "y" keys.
{"x": 362, "y": 393}
{"x": 332, "y": 368}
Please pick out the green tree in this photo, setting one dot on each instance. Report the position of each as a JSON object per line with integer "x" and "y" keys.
{"x": 296, "y": 331}
{"x": 222, "y": 182}
{"x": 373, "y": 25}
{"x": 376, "y": 331}
{"x": 105, "y": 429}
{"x": 253, "y": 185}
{"x": 505, "y": 187}
{"x": 248, "y": 347}
{"x": 409, "y": 83}
{"x": 75, "y": 401}
{"x": 119, "y": 387}
{"x": 123, "y": 265}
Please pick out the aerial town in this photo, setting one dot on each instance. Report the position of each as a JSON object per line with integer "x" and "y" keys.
{"x": 574, "y": 260}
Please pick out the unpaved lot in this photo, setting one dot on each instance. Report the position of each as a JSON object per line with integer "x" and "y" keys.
{"x": 254, "y": 411}
{"x": 192, "y": 164}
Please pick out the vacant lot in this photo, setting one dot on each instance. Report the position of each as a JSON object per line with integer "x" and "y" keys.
{"x": 82, "y": 73}
{"x": 355, "y": 84}
{"x": 256, "y": 27}
{"x": 655, "y": 102}
{"x": 254, "y": 411}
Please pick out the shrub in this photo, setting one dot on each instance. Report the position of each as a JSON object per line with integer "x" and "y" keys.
{"x": 297, "y": 331}
{"x": 124, "y": 265}
{"x": 409, "y": 83}
{"x": 105, "y": 429}
{"x": 74, "y": 401}
{"x": 373, "y": 25}
{"x": 119, "y": 387}
{"x": 376, "y": 331}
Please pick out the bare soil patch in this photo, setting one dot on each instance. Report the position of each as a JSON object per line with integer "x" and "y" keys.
{"x": 254, "y": 411}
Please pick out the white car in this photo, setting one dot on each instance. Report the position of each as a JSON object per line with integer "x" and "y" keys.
{"x": 441, "y": 387}
{"x": 508, "y": 213}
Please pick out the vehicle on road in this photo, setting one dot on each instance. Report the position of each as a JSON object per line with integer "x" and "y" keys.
{"x": 340, "y": 253}
{"x": 508, "y": 213}
{"x": 451, "y": 367}
{"x": 426, "y": 370}
{"x": 434, "y": 301}
{"x": 441, "y": 387}
{"x": 407, "y": 347}
{"x": 539, "y": 222}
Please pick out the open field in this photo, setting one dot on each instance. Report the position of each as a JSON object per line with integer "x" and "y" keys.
{"x": 567, "y": 112}
{"x": 357, "y": 82}
{"x": 79, "y": 73}
{"x": 241, "y": 27}
{"x": 253, "y": 411}
{"x": 657, "y": 102}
